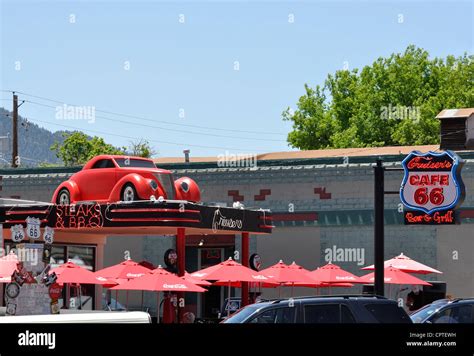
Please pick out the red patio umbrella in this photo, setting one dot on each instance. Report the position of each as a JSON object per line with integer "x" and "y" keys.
{"x": 160, "y": 280}
{"x": 127, "y": 269}
{"x": 290, "y": 276}
{"x": 229, "y": 272}
{"x": 332, "y": 274}
{"x": 200, "y": 282}
{"x": 7, "y": 267}
{"x": 283, "y": 273}
{"x": 406, "y": 264}
{"x": 70, "y": 273}
{"x": 294, "y": 265}
{"x": 123, "y": 271}
{"x": 394, "y": 275}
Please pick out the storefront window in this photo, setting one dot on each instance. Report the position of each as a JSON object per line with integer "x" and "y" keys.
{"x": 82, "y": 297}
{"x": 82, "y": 256}
{"x": 58, "y": 256}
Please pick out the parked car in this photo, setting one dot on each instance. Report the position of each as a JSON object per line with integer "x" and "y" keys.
{"x": 322, "y": 310}
{"x": 111, "y": 178}
{"x": 446, "y": 311}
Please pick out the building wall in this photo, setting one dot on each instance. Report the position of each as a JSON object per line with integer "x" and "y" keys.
{"x": 455, "y": 255}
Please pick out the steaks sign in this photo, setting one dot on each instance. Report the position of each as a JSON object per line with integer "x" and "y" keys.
{"x": 93, "y": 217}
{"x": 432, "y": 187}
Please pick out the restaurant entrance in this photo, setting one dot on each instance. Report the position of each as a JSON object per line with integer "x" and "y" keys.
{"x": 209, "y": 303}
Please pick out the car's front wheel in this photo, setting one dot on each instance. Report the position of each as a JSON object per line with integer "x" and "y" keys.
{"x": 129, "y": 193}
{"x": 64, "y": 198}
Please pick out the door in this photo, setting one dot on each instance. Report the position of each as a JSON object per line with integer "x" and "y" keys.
{"x": 209, "y": 303}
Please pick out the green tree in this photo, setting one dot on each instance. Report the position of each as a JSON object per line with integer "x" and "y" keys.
{"x": 78, "y": 148}
{"x": 141, "y": 148}
{"x": 394, "y": 101}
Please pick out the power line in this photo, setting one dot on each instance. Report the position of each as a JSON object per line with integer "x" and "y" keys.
{"x": 152, "y": 120}
{"x": 164, "y": 128}
{"x": 136, "y": 138}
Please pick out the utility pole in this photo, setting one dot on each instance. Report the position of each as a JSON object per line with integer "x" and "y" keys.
{"x": 379, "y": 228}
{"x": 15, "y": 132}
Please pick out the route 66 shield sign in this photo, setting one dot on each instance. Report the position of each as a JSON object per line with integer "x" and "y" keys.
{"x": 432, "y": 181}
{"x": 18, "y": 234}
{"x": 33, "y": 228}
{"x": 48, "y": 235}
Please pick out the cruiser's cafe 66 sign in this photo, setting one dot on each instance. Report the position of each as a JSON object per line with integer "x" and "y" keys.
{"x": 432, "y": 187}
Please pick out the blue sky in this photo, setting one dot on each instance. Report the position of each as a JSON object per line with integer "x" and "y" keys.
{"x": 189, "y": 67}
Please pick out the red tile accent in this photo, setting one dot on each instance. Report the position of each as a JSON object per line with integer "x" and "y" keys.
{"x": 295, "y": 216}
{"x": 262, "y": 195}
{"x": 322, "y": 193}
{"x": 468, "y": 213}
{"x": 235, "y": 195}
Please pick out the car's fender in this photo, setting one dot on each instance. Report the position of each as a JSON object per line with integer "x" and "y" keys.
{"x": 192, "y": 193}
{"x": 140, "y": 183}
{"x": 72, "y": 187}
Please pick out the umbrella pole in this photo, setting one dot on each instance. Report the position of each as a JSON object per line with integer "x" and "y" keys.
{"x": 158, "y": 308}
{"x": 228, "y": 301}
{"x": 142, "y": 299}
{"x": 126, "y": 304}
{"x": 389, "y": 291}
{"x": 292, "y": 288}
{"x": 67, "y": 295}
{"x": 80, "y": 296}
{"x": 116, "y": 299}
{"x": 279, "y": 291}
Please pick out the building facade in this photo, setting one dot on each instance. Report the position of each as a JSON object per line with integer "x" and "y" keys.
{"x": 322, "y": 208}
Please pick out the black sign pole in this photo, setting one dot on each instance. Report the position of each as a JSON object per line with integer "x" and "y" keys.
{"x": 379, "y": 228}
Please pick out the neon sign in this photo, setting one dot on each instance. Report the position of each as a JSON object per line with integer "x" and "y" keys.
{"x": 432, "y": 187}
{"x": 85, "y": 216}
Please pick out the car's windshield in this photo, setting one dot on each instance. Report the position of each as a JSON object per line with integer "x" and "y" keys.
{"x": 242, "y": 315}
{"x": 423, "y": 313}
{"x": 133, "y": 162}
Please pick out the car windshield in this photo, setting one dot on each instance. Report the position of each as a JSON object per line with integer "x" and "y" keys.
{"x": 423, "y": 313}
{"x": 242, "y": 315}
{"x": 133, "y": 162}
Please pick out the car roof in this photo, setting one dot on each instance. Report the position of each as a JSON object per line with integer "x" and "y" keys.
{"x": 91, "y": 162}
{"x": 460, "y": 301}
{"x": 320, "y": 298}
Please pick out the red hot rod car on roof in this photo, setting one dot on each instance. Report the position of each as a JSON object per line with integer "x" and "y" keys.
{"x": 111, "y": 178}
